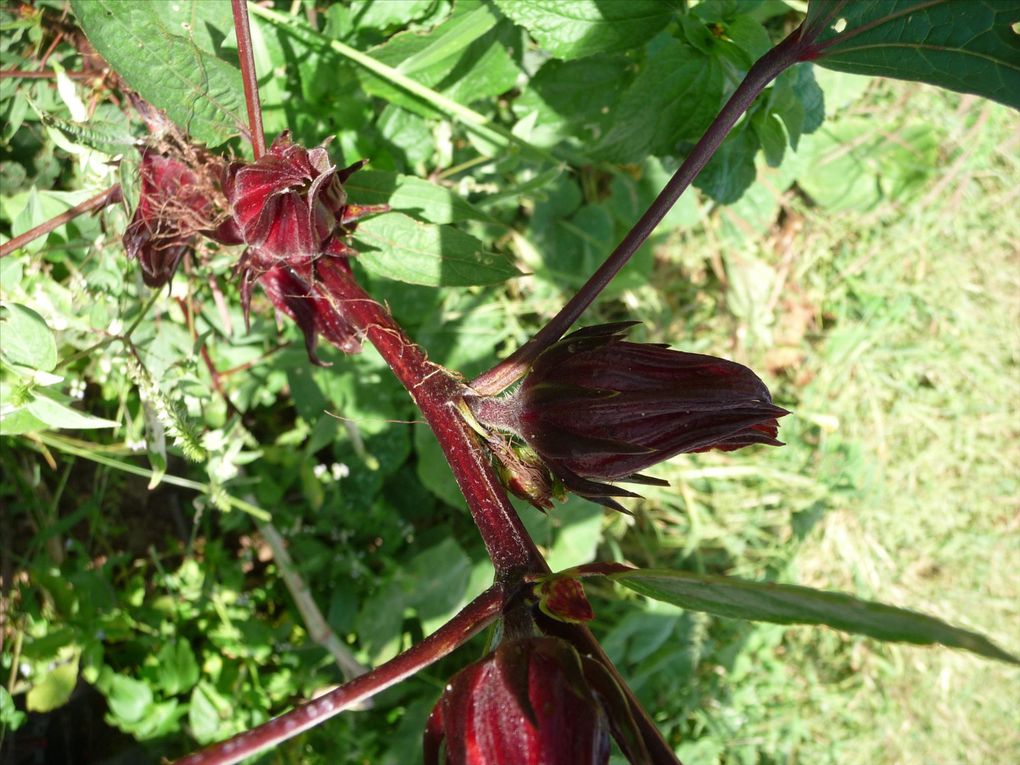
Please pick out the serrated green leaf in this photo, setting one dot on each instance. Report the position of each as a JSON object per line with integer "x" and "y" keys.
{"x": 25, "y": 339}
{"x": 413, "y": 196}
{"x": 165, "y": 62}
{"x": 401, "y": 248}
{"x": 127, "y": 698}
{"x": 964, "y": 45}
{"x": 573, "y": 98}
{"x": 791, "y": 604}
{"x": 731, "y": 170}
{"x": 673, "y": 99}
{"x": 582, "y": 27}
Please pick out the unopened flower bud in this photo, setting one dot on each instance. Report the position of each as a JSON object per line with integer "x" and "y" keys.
{"x": 597, "y": 408}
{"x": 526, "y": 703}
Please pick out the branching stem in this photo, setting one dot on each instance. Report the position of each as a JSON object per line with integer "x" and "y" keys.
{"x": 98, "y": 202}
{"x": 764, "y": 70}
{"x": 470, "y": 621}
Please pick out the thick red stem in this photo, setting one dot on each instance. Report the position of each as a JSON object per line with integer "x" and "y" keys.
{"x": 469, "y": 622}
{"x": 98, "y": 202}
{"x": 436, "y": 392}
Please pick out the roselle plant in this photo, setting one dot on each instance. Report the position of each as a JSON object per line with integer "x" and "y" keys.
{"x": 566, "y": 412}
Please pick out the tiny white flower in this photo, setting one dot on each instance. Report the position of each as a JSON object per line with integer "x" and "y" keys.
{"x": 339, "y": 470}
{"x": 319, "y": 471}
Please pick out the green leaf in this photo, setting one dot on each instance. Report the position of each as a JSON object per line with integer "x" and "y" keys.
{"x": 401, "y": 248}
{"x": 165, "y": 61}
{"x": 25, "y": 339}
{"x": 54, "y": 689}
{"x": 582, "y": 27}
{"x": 466, "y": 58}
{"x": 731, "y": 170}
{"x": 56, "y": 415}
{"x": 673, "y": 99}
{"x": 575, "y": 98}
{"x": 11, "y": 718}
{"x": 177, "y": 670}
{"x": 964, "y": 45}
{"x": 791, "y": 604}
{"x": 413, "y": 196}
{"x": 128, "y": 698}
{"x": 856, "y": 163}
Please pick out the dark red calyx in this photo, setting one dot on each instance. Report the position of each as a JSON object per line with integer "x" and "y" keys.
{"x": 527, "y": 703}
{"x": 597, "y": 408}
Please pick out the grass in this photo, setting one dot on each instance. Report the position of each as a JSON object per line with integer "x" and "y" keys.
{"x": 894, "y": 340}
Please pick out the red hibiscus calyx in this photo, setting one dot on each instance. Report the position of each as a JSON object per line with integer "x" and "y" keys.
{"x": 532, "y": 701}
{"x": 597, "y": 408}
{"x": 292, "y": 210}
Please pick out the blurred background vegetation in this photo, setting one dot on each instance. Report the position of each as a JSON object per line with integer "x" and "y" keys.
{"x": 872, "y": 278}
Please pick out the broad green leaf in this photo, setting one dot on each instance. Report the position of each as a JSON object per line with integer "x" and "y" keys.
{"x": 54, "y": 689}
{"x": 165, "y": 61}
{"x": 966, "y": 45}
{"x": 25, "y": 339}
{"x": 731, "y": 170}
{"x": 673, "y": 99}
{"x": 573, "y": 98}
{"x": 791, "y": 604}
{"x": 128, "y": 698}
{"x": 401, "y": 248}
{"x": 177, "y": 670}
{"x": 57, "y": 415}
{"x": 413, "y": 196}
{"x": 582, "y": 27}
{"x": 436, "y": 579}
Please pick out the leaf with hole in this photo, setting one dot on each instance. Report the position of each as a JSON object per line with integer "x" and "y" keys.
{"x": 972, "y": 46}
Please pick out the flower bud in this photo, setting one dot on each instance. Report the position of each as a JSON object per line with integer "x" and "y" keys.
{"x": 526, "y": 703}
{"x": 598, "y": 408}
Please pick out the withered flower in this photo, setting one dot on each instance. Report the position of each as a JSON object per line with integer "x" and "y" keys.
{"x": 175, "y": 203}
{"x": 532, "y": 701}
{"x": 597, "y": 408}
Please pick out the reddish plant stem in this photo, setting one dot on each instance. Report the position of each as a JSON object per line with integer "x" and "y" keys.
{"x": 98, "y": 202}
{"x": 764, "y": 70}
{"x": 242, "y": 29}
{"x": 436, "y": 392}
{"x": 470, "y": 621}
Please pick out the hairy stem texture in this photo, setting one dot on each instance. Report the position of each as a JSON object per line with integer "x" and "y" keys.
{"x": 436, "y": 392}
